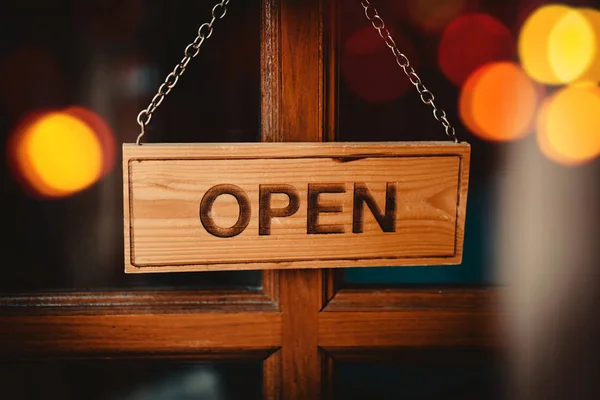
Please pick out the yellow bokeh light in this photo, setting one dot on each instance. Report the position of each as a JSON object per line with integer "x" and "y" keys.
{"x": 568, "y": 125}
{"x": 544, "y": 144}
{"x": 57, "y": 154}
{"x": 499, "y": 101}
{"x": 533, "y": 42}
{"x": 571, "y": 46}
{"x": 559, "y": 45}
{"x": 592, "y": 74}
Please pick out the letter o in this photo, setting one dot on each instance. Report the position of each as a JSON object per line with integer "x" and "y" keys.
{"x": 207, "y": 203}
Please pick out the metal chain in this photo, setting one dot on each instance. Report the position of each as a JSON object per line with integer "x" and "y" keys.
{"x": 426, "y": 96}
{"x": 204, "y": 32}
{"x": 220, "y": 10}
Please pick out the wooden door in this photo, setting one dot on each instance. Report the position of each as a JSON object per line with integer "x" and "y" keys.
{"x": 295, "y": 334}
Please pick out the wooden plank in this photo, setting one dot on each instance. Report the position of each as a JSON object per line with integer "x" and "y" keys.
{"x": 272, "y": 378}
{"x": 377, "y": 299}
{"x": 301, "y": 111}
{"x": 139, "y": 334}
{"x": 271, "y": 73}
{"x": 300, "y": 305}
{"x": 411, "y": 328}
{"x": 303, "y": 205}
{"x": 143, "y": 302}
{"x": 296, "y": 110}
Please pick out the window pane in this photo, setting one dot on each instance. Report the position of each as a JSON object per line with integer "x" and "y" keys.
{"x": 376, "y": 102}
{"x": 97, "y": 64}
{"x": 131, "y": 380}
{"x": 421, "y": 375}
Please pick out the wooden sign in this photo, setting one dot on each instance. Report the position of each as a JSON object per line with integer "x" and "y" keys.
{"x": 207, "y": 207}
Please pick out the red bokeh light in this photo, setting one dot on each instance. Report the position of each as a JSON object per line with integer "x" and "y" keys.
{"x": 431, "y": 16}
{"x": 369, "y": 68}
{"x": 471, "y": 41}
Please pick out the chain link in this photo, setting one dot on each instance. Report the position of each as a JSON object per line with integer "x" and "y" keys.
{"x": 427, "y": 96}
{"x": 204, "y": 32}
{"x": 219, "y": 11}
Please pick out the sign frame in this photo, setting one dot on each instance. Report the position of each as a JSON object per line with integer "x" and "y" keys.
{"x": 151, "y": 169}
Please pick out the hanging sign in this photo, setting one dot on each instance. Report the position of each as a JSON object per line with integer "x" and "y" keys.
{"x": 209, "y": 207}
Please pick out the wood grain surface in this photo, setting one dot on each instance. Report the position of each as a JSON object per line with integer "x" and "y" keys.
{"x": 226, "y": 207}
{"x": 138, "y": 334}
{"x": 410, "y": 328}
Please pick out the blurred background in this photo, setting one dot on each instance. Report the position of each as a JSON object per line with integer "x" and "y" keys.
{"x": 73, "y": 77}
{"x": 518, "y": 78}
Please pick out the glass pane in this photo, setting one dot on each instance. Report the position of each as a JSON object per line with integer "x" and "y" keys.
{"x": 421, "y": 375}
{"x": 74, "y": 76}
{"x": 131, "y": 380}
{"x": 376, "y": 102}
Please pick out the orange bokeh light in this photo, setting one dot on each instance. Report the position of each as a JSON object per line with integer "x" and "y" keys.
{"x": 59, "y": 153}
{"x": 102, "y": 131}
{"x": 568, "y": 125}
{"x": 499, "y": 101}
